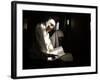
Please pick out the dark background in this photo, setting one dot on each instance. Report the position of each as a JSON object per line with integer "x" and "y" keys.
{"x": 76, "y": 39}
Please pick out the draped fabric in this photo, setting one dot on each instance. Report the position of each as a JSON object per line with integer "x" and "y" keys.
{"x": 55, "y": 38}
{"x": 46, "y": 42}
{"x": 50, "y": 45}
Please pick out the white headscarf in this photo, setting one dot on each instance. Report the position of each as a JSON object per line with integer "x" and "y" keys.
{"x": 51, "y": 21}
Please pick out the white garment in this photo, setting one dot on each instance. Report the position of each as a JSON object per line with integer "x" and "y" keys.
{"x": 45, "y": 43}
{"x": 47, "y": 40}
{"x": 43, "y": 39}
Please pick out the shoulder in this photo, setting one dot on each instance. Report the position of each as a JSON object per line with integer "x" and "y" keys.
{"x": 40, "y": 26}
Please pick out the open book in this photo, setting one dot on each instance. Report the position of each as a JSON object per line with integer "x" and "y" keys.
{"x": 58, "y": 52}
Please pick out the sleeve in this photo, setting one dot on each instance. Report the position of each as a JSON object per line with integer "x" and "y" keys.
{"x": 43, "y": 39}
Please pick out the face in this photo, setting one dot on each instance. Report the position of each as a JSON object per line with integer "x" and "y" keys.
{"x": 50, "y": 24}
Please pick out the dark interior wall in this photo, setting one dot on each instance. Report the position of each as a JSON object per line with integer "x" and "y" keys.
{"x": 76, "y": 36}
{"x": 80, "y": 25}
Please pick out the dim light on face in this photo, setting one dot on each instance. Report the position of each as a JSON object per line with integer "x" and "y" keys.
{"x": 51, "y": 23}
